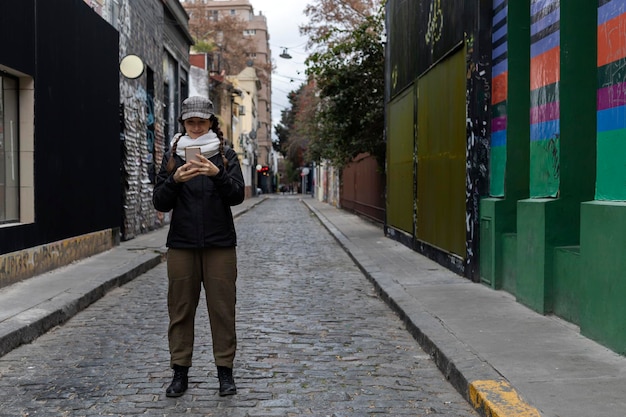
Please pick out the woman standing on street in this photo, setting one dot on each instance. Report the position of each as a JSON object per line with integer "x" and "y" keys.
{"x": 199, "y": 190}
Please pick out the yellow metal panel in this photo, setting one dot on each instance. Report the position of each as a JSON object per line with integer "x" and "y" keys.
{"x": 400, "y": 144}
{"x": 441, "y": 144}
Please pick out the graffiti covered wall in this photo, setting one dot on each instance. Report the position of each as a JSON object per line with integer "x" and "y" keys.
{"x": 141, "y": 116}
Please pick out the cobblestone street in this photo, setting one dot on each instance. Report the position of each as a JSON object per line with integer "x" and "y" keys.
{"x": 314, "y": 340}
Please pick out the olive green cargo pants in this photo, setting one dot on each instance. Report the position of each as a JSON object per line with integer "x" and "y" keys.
{"x": 188, "y": 270}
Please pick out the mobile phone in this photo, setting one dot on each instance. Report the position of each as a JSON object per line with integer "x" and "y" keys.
{"x": 191, "y": 152}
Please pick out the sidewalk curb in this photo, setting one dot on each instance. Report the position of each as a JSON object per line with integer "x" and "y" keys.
{"x": 250, "y": 207}
{"x": 481, "y": 385}
{"x": 30, "y": 324}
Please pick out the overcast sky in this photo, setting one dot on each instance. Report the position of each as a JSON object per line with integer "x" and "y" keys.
{"x": 283, "y": 20}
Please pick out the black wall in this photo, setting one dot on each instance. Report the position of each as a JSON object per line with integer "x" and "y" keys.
{"x": 72, "y": 54}
{"x": 421, "y": 32}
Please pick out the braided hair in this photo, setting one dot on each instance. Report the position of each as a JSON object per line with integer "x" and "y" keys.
{"x": 215, "y": 127}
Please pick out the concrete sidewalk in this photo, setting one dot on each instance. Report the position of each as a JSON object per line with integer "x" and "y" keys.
{"x": 505, "y": 359}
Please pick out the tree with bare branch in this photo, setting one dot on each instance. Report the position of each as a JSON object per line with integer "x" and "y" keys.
{"x": 223, "y": 37}
{"x": 333, "y": 21}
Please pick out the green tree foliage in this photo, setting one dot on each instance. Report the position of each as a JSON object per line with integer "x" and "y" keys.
{"x": 339, "y": 112}
{"x": 350, "y": 81}
{"x": 291, "y": 131}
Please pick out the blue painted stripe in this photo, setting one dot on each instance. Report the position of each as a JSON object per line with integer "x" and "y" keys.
{"x": 612, "y": 119}
{"x": 539, "y": 5}
{"x": 496, "y": 3}
{"x": 611, "y": 10}
{"x": 501, "y": 15}
{"x": 500, "y": 50}
{"x": 498, "y": 138}
{"x": 544, "y": 130}
{"x": 498, "y": 34}
{"x": 500, "y": 68}
{"x": 543, "y": 45}
{"x": 550, "y": 19}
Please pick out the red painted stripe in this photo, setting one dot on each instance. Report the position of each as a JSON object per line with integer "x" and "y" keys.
{"x": 500, "y": 88}
{"x": 612, "y": 40}
{"x": 545, "y": 68}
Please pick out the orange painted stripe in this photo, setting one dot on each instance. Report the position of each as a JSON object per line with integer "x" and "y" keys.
{"x": 500, "y": 88}
{"x": 612, "y": 40}
{"x": 545, "y": 68}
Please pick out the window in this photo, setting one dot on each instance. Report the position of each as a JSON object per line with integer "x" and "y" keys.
{"x": 249, "y": 32}
{"x": 233, "y": 12}
{"x": 16, "y": 148}
{"x": 251, "y": 55}
{"x": 9, "y": 147}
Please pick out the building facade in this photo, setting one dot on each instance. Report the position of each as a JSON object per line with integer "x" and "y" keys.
{"x": 60, "y": 182}
{"x": 437, "y": 136}
{"x": 510, "y": 120}
{"x": 260, "y": 59}
{"x": 246, "y": 103}
{"x": 156, "y": 32}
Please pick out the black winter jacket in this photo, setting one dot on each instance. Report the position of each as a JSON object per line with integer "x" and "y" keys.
{"x": 201, "y": 214}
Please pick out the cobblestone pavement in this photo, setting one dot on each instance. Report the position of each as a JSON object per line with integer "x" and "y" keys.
{"x": 314, "y": 340}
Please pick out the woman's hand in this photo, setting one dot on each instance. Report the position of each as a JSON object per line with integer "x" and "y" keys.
{"x": 204, "y": 166}
{"x": 193, "y": 168}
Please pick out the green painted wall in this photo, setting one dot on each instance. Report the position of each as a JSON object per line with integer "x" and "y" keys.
{"x": 518, "y": 105}
{"x": 400, "y": 177}
{"x": 545, "y": 224}
{"x": 533, "y": 280}
{"x": 545, "y": 166}
{"x": 566, "y": 288}
{"x": 603, "y": 223}
{"x": 509, "y": 262}
{"x": 497, "y": 170}
{"x": 611, "y": 175}
{"x": 501, "y": 212}
{"x": 578, "y": 101}
{"x": 602, "y": 284}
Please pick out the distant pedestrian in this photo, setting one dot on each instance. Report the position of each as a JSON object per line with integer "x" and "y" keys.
{"x": 199, "y": 190}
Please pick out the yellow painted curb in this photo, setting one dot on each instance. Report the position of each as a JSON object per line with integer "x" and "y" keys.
{"x": 499, "y": 399}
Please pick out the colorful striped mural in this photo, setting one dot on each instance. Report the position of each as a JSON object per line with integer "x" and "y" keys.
{"x": 545, "y": 53}
{"x": 611, "y": 101}
{"x": 499, "y": 82}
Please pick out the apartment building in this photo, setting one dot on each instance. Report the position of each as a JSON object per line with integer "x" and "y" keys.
{"x": 259, "y": 58}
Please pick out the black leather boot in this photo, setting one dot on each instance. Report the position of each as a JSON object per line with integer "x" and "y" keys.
{"x": 179, "y": 382}
{"x": 227, "y": 383}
